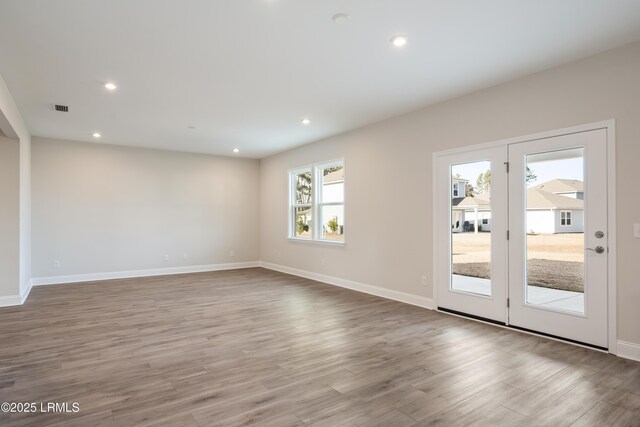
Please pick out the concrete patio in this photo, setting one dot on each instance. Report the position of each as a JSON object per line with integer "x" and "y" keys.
{"x": 543, "y": 297}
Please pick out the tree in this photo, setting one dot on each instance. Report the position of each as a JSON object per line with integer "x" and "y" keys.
{"x": 303, "y": 184}
{"x": 327, "y": 171}
{"x": 469, "y": 190}
{"x": 483, "y": 183}
{"x": 303, "y": 188}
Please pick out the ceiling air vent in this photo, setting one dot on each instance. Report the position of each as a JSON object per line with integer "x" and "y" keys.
{"x": 63, "y": 108}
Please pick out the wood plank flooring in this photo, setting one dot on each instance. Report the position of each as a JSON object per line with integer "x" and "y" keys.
{"x": 258, "y": 347}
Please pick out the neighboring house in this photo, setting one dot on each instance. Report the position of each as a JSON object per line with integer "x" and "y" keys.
{"x": 550, "y": 213}
{"x": 555, "y": 206}
{"x": 476, "y": 210}
{"x": 458, "y": 187}
{"x": 563, "y": 187}
{"x": 333, "y": 191}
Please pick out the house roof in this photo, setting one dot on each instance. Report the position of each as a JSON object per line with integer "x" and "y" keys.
{"x": 536, "y": 199}
{"x": 459, "y": 179}
{"x": 539, "y": 199}
{"x": 561, "y": 186}
{"x": 471, "y": 202}
{"x": 334, "y": 177}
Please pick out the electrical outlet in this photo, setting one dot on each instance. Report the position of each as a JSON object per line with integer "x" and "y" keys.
{"x": 636, "y": 231}
{"x": 424, "y": 281}
{"x": 232, "y": 253}
{"x": 166, "y": 257}
{"x": 56, "y": 263}
{"x": 185, "y": 255}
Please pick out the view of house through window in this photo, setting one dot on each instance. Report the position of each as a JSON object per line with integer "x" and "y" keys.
{"x": 554, "y": 218}
{"x": 471, "y": 227}
{"x": 317, "y": 205}
{"x": 555, "y": 229}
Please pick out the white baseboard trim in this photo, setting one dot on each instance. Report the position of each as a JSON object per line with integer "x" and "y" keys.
{"x": 25, "y": 293}
{"x": 92, "y": 277}
{"x": 9, "y": 300}
{"x": 629, "y": 350}
{"x": 404, "y": 297}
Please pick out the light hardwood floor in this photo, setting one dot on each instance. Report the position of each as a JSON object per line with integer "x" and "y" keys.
{"x": 259, "y": 347}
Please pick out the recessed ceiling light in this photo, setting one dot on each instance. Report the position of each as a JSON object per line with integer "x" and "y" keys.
{"x": 96, "y": 135}
{"x": 341, "y": 18}
{"x": 305, "y": 121}
{"x": 191, "y": 127}
{"x": 399, "y": 40}
{"x": 110, "y": 86}
{"x": 235, "y": 150}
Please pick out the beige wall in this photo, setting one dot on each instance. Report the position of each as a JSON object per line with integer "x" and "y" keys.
{"x": 9, "y": 218}
{"x": 100, "y": 208}
{"x": 389, "y": 174}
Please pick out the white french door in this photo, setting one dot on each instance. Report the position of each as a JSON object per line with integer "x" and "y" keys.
{"x": 521, "y": 234}
{"x": 471, "y": 258}
{"x": 558, "y": 246}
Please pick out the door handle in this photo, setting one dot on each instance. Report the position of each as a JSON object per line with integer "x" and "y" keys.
{"x": 598, "y": 249}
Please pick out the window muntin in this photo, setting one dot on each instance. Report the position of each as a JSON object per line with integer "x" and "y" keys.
{"x": 317, "y": 202}
{"x": 565, "y": 218}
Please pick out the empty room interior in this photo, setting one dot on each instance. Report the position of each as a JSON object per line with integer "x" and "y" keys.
{"x": 319, "y": 212}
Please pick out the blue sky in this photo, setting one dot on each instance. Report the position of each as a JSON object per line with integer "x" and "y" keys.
{"x": 545, "y": 171}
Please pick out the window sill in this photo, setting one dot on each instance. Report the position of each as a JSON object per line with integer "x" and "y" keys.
{"x": 316, "y": 242}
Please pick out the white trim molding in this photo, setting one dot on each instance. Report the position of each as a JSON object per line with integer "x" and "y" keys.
{"x": 11, "y": 300}
{"x": 629, "y": 350}
{"x": 404, "y": 297}
{"x": 92, "y": 277}
{"x": 25, "y": 293}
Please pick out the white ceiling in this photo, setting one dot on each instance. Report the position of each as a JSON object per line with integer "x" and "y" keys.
{"x": 244, "y": 72}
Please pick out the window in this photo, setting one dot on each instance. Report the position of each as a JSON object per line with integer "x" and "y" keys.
{"x": 316, "y": 210}
{"x": 301, "y": 203}
{"x": 456, "y": 189}
{"x": 565, "y": 218}
{"x": 485, "y": 221}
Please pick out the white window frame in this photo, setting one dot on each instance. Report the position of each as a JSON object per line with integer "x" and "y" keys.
{"x": 456, "y": 190}
{"x": 567, "y": 218}
{"x": 316, "y": 203}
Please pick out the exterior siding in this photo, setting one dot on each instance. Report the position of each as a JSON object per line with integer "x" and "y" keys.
{"x": 542, "y": 221}
{"x": 577, "y": 222}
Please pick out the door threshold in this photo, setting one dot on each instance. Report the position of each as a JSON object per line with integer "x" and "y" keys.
{"x": 523, "y": 330}
{"x": 557, "y": 338}
{"x": 471, "y": 316}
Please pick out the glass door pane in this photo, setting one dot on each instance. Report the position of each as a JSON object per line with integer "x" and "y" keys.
{"x": 554, "y": 220}
{"x": 471, "y": 227}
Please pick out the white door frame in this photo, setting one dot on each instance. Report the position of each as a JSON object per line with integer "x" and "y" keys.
{"x": 612, "y": 284}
